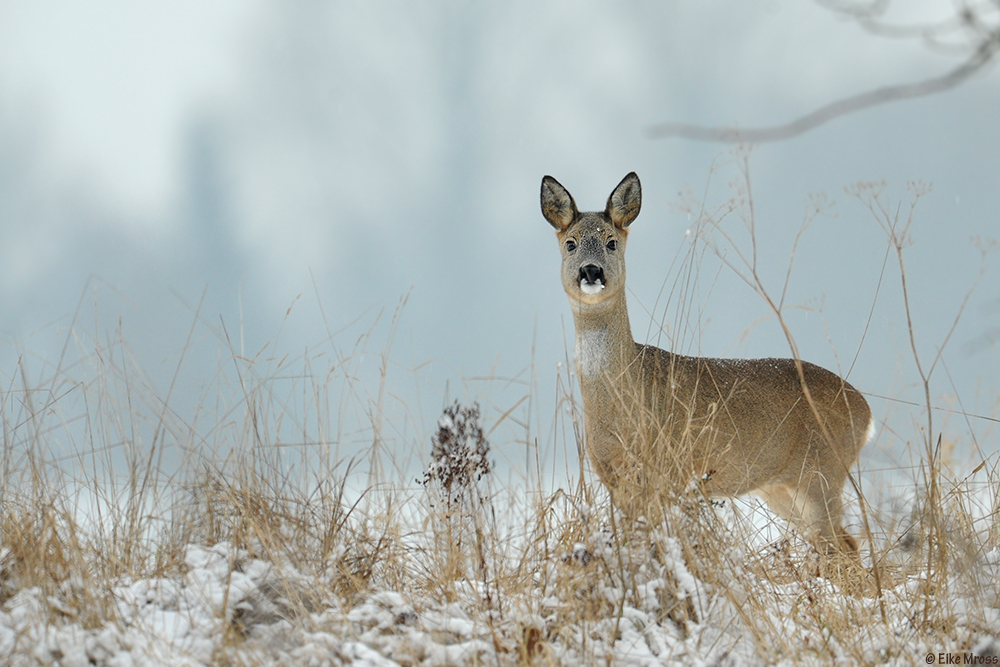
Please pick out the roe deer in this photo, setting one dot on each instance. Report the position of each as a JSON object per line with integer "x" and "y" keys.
{"x": 784, "y": 429}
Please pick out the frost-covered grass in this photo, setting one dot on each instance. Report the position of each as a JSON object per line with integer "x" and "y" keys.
{"x": 232, "y": 558}
{"x": 273, "y": 510}
{"x": 565, "y": 589}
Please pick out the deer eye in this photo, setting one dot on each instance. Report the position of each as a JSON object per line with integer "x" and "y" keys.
{"x": 570, "y": 245}
{"x": 611, "y": 244}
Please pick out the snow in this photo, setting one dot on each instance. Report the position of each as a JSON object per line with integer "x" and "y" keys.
{"x": 646, "y": 604}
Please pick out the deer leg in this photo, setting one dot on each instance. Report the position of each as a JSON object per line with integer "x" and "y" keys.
{"x": 820, "y": 516}
{"x": 813, "y": 509}
{"x": 779, "y": 498}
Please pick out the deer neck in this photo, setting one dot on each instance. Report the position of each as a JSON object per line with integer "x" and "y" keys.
{"x": 604, "y": 344}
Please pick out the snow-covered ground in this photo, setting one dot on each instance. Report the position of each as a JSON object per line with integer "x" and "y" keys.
{"x": 595, "y": 601}
{"x": 266, "y": 555}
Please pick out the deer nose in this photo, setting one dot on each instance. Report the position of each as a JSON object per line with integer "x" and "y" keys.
{"x": 591, "y": 274}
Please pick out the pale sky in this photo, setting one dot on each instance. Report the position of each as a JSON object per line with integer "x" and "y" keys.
{"x": 112, "y": 83}
{"x": 327, "y": 159}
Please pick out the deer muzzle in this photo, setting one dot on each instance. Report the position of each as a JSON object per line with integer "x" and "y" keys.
{"x": 591, "y": 278}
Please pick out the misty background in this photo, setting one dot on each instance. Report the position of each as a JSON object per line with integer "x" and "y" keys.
{"x": 182, "y": 182}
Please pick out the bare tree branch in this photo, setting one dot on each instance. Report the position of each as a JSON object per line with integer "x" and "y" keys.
{"x": 968, "y": 19}
{"x": 985, "y": 50}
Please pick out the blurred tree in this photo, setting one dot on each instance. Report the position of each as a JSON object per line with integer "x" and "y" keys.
{"x": 972, "y": 31}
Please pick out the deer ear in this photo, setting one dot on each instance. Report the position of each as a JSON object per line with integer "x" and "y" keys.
{"x": 624, "y": 203}
{"x": 558, "y": 206}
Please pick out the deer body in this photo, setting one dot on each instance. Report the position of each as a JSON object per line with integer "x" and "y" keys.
{"x": 656, "y": 421}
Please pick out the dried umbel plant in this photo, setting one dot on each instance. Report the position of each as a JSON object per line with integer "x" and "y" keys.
{"x": 459, "y": 457}
{"x": 462, "y": 519}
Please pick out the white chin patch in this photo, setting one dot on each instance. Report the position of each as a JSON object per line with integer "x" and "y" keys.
{"x": 591, "y": 288}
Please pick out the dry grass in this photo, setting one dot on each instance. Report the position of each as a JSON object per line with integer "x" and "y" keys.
{"x": 545, "y": 578}
{"x": 104, "y": 485}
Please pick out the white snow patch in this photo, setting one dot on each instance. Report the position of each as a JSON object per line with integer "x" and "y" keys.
{"x": 185, "y": 618}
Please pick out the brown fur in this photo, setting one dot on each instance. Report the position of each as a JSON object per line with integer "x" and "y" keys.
{"x": 660, "y": 422}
